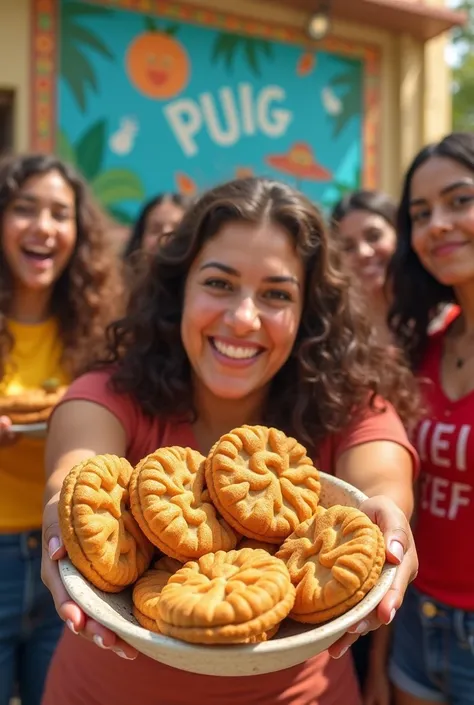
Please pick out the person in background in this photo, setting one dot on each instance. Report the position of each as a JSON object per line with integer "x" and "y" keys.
{"x": 58, "y": 290}
{"x": 242, "y": 317}
{"x": 364, "y": 225}
{"x": 157, "y": 219}
{"x": 432, "y": 660}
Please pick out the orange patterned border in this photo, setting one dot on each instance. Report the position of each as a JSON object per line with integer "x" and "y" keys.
{"x": 44, "y": 50}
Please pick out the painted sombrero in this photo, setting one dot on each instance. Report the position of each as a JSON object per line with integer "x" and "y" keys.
{"x": 300, "y": 162}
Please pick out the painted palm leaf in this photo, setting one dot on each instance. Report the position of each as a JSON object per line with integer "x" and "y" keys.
{"x": 76, "y": 68}
{"x": 64, "y": 148}
{"x": 351, "y": 97}
{"x": 227, "y": 45}
{"x": 90, "y": 150}
{"x": 151, "y": 25}
{"x": 116, "y": 185}
{"x": 110, "y": 186}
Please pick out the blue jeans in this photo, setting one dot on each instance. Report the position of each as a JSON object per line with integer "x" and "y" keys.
{"x": 29, "y": 624}
{"x": 433, "y": 650}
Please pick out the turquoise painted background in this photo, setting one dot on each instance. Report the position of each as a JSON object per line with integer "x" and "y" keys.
{"x": 149, "y": 104}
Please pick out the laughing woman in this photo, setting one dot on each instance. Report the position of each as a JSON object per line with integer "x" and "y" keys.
{"x": 58, "y": 288}
{"x": 247, "y": 273}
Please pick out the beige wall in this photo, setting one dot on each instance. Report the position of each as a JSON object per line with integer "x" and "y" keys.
{"x": 415, "y": 79}
{"x": 14, "y": 62}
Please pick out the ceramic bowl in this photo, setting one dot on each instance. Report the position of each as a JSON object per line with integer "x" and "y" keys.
{"x": 293, "y": 644}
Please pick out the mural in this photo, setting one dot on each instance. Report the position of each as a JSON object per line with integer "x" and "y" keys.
{"x": 167, "y": 97}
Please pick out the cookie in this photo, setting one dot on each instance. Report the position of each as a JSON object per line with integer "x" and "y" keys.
{"x": 173, "y": 508}
{"x": 32, "y": 405}
{"x": 226, "y": 598}
{"x": 271, "y": 548}
{"x": 99, "y": 532}
{"x": 334, "y": 559}
{"x": 262, "y": 482}
{"x": 147, "y": 589}
{"x": 170, "y": 565}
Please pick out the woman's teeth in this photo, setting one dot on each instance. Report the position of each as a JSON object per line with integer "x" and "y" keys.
{"x": 237, "y": 353}
{"x": 37, "y": 254}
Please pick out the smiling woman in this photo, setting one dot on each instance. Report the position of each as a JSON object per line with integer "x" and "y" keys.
{"x": 242, "y": 318}
{"x": 363, "y": 224}
{"x": 433, "y": 265}
{"x": 58, "y": 288}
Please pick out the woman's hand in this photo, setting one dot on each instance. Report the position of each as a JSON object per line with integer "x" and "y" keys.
{"x": 77, "y": 621}
{"x": 7, "y": 436}
{"x": 400, "y": 550}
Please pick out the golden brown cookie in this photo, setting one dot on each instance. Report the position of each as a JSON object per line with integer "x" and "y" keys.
{"x": 265, "y": 636}
{"x": 32, "y": 405}
{"x": 226, "y": 598}
{"x": 272, "y": 548}
{"x": 170, "y": 565}
{"x": 262, "y": 482}
{"x": 173, "y": 508}
{"x": 145, "y": 621}
{"x": 146, "y": 593}
{"x": 100, "y": 534}
{"x": 334, "y": 559}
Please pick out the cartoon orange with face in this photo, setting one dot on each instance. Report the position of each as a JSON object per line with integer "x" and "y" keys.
{"x": 157, "y": 65}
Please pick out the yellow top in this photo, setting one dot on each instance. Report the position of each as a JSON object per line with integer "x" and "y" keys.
{"x": 35, "y": 357}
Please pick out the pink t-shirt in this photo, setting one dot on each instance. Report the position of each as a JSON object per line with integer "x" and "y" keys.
{"x": 82, "y": 674}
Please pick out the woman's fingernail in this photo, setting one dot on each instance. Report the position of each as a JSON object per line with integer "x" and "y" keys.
{"x": 397, "y": 550}
{"x": 98, "y": 641}
{"x": 360, "y": 628}
{"x": 71, "y": 627}
{"x": 53, "y": 546}
{"x": 122, "y": 654}
{"x": 392, "y": 616}
{"x": 344, "y": 650}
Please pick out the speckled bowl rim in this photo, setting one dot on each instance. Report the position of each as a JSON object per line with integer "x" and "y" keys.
{"x": 92, "y": 604}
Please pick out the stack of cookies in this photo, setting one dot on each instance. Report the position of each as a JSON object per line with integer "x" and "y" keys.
{"x": 243, "y": 542}
{"x": 33, "y": 405}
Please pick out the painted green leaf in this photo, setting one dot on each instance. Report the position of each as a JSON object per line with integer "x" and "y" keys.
{"x": 81, "y": 35}
{"x": 267, "y": 48}
{"x": 351, "y": 108}
{"x": 150, "y": 24}
{"x": 78, "y": 73}
{"x": 351, "y": 99}
{"x": 251, "y": 56}
{"x": 219, "y": 44}
{"x": 116, "y": 185}
{"x": 72, "y": 10}
{"x": 90, "y": 150}
{"x": 227, "y": 44}
{"x": 120, "y": 215}
{"x": 75, "y": 67}
{"x": 172, "y": 29}
{"x": 64, "y": 148}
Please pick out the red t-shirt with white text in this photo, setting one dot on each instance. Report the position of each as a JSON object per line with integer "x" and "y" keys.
{"x": 445, "y": 518}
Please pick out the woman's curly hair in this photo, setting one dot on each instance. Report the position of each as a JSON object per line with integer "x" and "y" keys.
{"x": 417, "y": 295}
{"x": 88, "y": 293}
{"x": 335, "y": 367}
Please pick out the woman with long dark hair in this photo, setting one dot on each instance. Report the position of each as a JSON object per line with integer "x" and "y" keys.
{"x": 363, "y": 223}
{"x": 433, "y": 652}
{"x": 242, "y": 317}
{"x": 157, "y": 219}
{"x": 58, "y": 290}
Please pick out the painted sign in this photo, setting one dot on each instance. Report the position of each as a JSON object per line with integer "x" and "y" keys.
{"x": 158, "y": 96}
